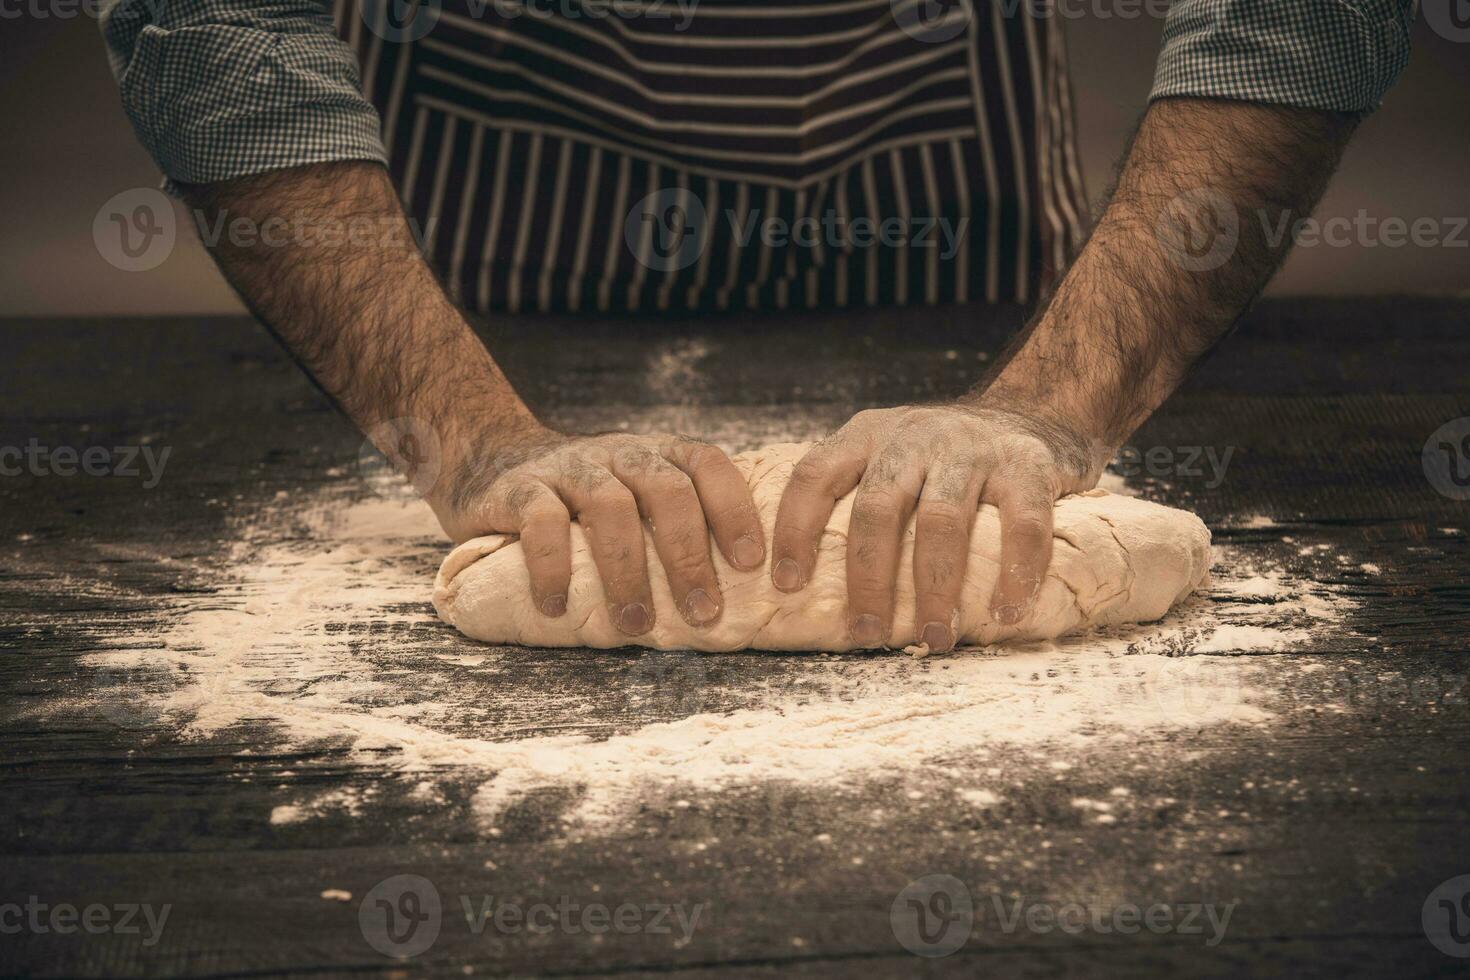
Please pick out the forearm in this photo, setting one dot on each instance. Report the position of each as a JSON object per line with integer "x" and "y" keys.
{"x": 1148, "y": 295}
{"x": 327, "y": 262}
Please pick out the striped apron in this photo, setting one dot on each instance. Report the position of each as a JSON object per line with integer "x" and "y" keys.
{"x": 580, "y": 155}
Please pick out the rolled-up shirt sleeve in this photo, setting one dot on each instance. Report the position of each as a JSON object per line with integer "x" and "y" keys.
{"x": 1340, "y": 55}
{"x": 218, "y": 89}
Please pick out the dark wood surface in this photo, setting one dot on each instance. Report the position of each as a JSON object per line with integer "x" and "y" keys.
{"x": 1334, "y": 824}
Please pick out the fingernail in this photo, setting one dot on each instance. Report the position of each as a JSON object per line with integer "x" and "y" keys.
{"x": 787, "y": 576}
{"x": 633, "y": 618}
{"x": 700, "y": 607}
{"x": 748, "y": 552}
{"x": 554, "y": 605}
{"x": 937, "y": 636}
{"x": 1008, "y": 615}
{"x": 867, "y": 630}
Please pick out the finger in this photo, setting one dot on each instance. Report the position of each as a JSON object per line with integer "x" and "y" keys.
{"x": 885, "y": 500}
{"x": 545, "y": 527}
{"x": 726, "y": 500}
{"x": 1025, "y": 506}
{"x": 609, "y": 517}
{"x": 681, "y": 538}
{"x": 821, "y": 477}
{"x": 947, "y": 508}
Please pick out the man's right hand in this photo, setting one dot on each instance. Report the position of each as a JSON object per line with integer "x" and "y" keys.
{"x": 537, "y": 483}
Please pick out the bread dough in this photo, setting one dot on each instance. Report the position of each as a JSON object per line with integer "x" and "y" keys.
{"x": 1115, "y": 559}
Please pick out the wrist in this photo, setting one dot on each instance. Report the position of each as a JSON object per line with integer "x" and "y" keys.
{"x": 476, "y": 448}
{"x": 1076, "y": 441}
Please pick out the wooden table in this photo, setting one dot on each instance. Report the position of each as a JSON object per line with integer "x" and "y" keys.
{"x": 1328, "y": 829}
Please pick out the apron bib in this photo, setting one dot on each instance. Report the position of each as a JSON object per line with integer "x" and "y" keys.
{"x": 587, "y": 156}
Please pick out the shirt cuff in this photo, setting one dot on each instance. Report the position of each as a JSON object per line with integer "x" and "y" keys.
{"x": 1336, "y": 55}
{"x": 217, "y": 102}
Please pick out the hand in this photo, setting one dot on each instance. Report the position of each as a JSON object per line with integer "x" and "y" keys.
{"x": 945, "y": 460}
{"x": 611, "y": 483}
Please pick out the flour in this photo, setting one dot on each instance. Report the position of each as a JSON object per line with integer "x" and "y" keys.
{"x": 308, "y": 631}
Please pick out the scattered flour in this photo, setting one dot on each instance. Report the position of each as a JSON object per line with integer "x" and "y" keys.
{"x": 303, "y": 637}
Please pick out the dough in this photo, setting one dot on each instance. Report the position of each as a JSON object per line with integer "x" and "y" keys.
{"x": 1115, "y": 560}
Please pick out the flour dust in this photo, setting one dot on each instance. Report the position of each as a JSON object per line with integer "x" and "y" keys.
{"x": 322, "y": 635}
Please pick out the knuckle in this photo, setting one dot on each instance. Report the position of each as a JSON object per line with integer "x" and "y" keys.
{"x": 809, "y": 476}
{"x": 672, "y": 483}
{"x": 936, "y": 575}
{"x": 892, "y": 459}
{"x": 942, "y": 521}
{"x": 701, "y": 455}
{"x": 519, "y": 497}
{"x": 611, "y": 498}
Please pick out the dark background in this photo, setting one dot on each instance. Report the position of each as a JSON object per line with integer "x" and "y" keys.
{"x": 68, "y": 148}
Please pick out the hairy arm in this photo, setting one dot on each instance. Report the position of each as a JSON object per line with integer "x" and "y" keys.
{"x": 1188, "y": 239}
{"x": 1158, "y": 283}
{"x": 328, "y": 262}
{"x": 325, "y": 258}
